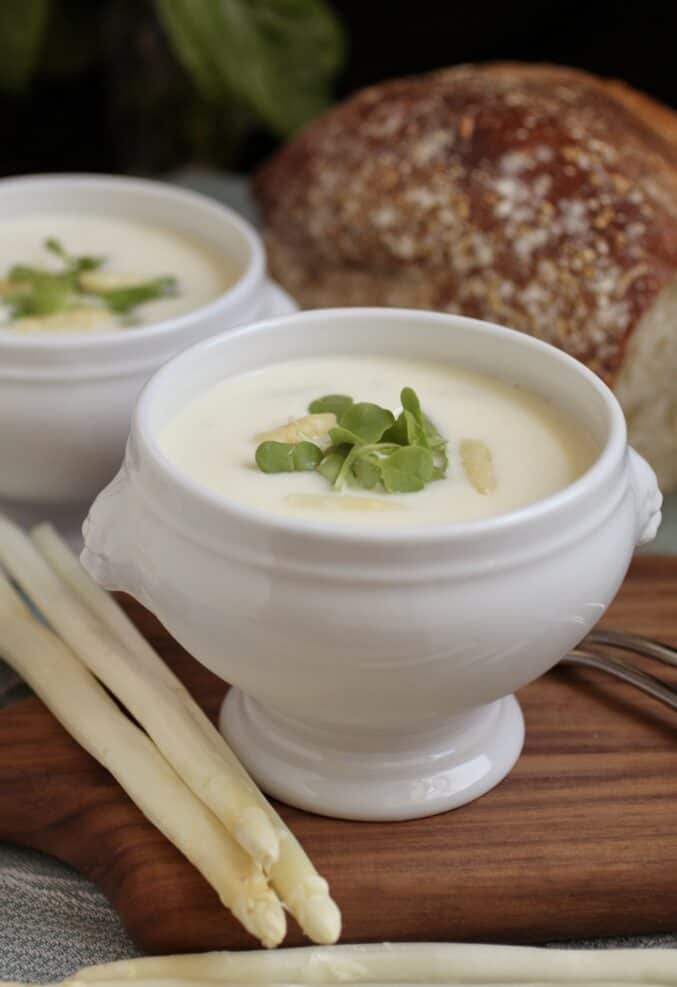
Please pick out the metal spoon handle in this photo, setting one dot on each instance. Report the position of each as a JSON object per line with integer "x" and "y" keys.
{"x": 627, "y": 673}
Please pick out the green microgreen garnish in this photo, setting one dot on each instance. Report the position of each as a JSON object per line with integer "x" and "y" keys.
{"x": 123, "y": 300}
{"x": 407, "y": 469}
{"x": 287, "y": 457}
{"x": 332, "y": 461}
{"x": 335, "y": 403}
{"x": 369, "y": 446}
{"x": 35, "y": 291}
{"x": 361, "y": 423}
{"x": 414, "y": 428}
{"x": 76, "y": 265}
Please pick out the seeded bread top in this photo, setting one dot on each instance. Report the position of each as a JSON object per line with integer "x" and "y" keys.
{"x": 535, "y": 196}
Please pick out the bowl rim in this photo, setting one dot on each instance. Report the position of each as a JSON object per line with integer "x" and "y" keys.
{"x": 85, "y": 340}
{"x": 146, "y": 443}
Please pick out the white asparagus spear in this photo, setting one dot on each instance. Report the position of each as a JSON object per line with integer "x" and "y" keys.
{"x": 293, "y": 875}
{"x": 86, "y": 711}
{"x": 79, "y": 980}
{"x": 405, "y": 963}
{"x": 152, "y": 701}
{"x": 173, "y": 982}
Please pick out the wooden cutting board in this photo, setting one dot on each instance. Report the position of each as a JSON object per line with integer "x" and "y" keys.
{"x": 580, "y": 840}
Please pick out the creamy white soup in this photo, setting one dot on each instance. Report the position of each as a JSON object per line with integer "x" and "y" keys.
{"x": 71, "y": 272}
{"x": 506, "y": 447}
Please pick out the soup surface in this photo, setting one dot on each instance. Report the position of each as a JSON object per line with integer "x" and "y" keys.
{"x": 531, "y": 449}
{"x": 102, "y": 273}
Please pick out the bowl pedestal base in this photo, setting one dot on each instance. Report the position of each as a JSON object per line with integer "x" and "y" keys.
{"x": 372, "y": 776}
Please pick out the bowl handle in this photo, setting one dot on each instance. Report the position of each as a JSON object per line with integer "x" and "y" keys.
{"x": 111, "y": 552}
{"x": 648, "y": 498}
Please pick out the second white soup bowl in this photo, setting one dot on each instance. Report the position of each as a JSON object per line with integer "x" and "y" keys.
{"x": 66, "y": 398}
{"x": 373, "y": 670}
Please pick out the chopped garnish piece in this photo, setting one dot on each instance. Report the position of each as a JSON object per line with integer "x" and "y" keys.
{"x": 98, "y": 282}
{"x": 308, "y": 427}
{"x": 478, "y": 464}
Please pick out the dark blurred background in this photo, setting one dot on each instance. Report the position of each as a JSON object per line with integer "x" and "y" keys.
{"x": 149, "y": 86}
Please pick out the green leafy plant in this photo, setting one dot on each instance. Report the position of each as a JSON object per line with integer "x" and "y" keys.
{"x": 22, "y": 28}
{"x": 369, "y": 446}
{"x": 274, "y": 59}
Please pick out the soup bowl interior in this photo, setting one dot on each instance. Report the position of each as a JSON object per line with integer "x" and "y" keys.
{"x": 147, "y": 203}
{"x": 411, "y": 335}
{"x": 373, "y": 668}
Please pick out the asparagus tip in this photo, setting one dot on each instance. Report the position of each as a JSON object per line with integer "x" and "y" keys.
{"x": 255, "y": 834}
{"x": 263, "y": 916}
{"x": 271, "y": 922}
{"x": 320, "y": 919}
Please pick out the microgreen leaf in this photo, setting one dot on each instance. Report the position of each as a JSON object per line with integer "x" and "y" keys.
{"x": 55, "y": 247}
{"x": 397, "y": 432}
{"x": 43, "y": 293}
{"x": 407, "y": 470}
{"x": 410, "y": 401}
{"x": 406, "y": 431}
{"x": 343, "y": 436}
{"x": 411, "y": 408}
{"x": 361, "y": 423}
{"x": 22, "y": 274}
{"x": 367, "y": 471}
{"x": 287, "y": 457}
{"x": 333, "y": 460}
{"x": 356, "y": 455}
{"x": 335, "y": 403}
{"x": 306, "y": 456}
{"x": 345, "y": 472}
{"x": 435, "y": 440}
{"x": 122, "y": 300}
{"x": 75, "y": 264}
{"x": 413, "y": 427}
{"x": 275, "y": 457}
{"x": 438, "y": 447}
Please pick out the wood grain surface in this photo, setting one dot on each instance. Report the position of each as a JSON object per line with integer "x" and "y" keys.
{"x": 580, "y": 840}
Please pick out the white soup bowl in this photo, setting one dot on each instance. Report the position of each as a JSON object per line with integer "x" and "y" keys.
{"x": 66, "y": 398}
{"x": 373, "y": 669}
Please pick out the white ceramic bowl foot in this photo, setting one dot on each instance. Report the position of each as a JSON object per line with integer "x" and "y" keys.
{"x": 351, "y": 775}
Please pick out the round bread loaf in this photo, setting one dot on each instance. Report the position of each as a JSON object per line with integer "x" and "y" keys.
{"x": 538, "y": 197}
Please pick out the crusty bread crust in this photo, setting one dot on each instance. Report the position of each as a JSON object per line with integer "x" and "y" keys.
{"x": 535, "y": 196}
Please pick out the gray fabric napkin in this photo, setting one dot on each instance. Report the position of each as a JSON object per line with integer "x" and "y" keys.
{"x": 52, "y": 921}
